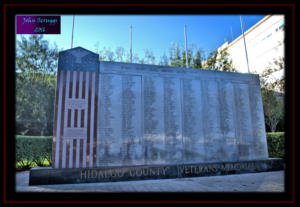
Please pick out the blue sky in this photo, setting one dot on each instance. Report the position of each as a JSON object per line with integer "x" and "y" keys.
{"x": 154, "y": 32}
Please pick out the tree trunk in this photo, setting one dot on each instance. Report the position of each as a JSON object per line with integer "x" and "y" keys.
{"x": 273, "y": 127}
{"x": 45, "y": 122}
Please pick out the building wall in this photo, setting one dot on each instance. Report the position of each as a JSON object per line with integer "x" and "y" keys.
{"x": 264, "y": 41}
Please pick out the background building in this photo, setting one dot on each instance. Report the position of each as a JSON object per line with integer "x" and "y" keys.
{"x": 264, "y": 41}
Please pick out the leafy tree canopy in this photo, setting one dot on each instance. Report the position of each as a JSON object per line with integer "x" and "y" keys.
{"x": 36, "y": 66}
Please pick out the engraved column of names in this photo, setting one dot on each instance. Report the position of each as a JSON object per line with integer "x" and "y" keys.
{"x": 259, "y": 131}
{"x": 213, "y": 133}
{"x": 109, "y": 128}
{"x": 153, "y": 122}
{"x": 131, "y": 120}
{"x": 228, "y": 122}
{"x": 172, "y": 120}
{"x": 245, "y": 136}
{"x": 192, "y": 121}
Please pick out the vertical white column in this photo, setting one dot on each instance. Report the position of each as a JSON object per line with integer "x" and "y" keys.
{"x": 92, "y": 120}
{"x": 87, "y": 74}
{"x": 71, "y": 154}
{"x": 57, "y": 146}
{"x": 65, "y": 120}
{"x": 77, "y": 152}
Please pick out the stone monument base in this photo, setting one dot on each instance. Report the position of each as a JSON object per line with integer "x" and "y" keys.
{"x": 48, "y": 175}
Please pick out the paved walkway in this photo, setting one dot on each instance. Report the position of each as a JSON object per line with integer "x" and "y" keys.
{"x": 252, "y": 182}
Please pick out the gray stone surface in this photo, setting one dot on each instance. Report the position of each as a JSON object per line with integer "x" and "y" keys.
{"x": 252, "y": 182}
{"x": 48, "y": 175}
{"x": 121, "y": 114}
{"x": 187, "y": 115}
{"x": 78, "y": 59}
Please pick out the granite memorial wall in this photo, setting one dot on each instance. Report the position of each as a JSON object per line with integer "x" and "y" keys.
{"x": 121, "y": 114}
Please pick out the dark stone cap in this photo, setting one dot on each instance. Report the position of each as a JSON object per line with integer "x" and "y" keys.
{"x": 78, "y": 59}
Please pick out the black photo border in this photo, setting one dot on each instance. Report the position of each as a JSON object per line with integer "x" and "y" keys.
{"x": 12, "y": 197}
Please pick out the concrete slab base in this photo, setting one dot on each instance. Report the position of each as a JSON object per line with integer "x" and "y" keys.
{"x": 48, "y": 175}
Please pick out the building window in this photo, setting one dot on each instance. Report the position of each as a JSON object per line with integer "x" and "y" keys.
{"x": 281, "y": 27}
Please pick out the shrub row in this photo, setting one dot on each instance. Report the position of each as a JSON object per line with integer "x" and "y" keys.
{"x": 276, "y": 144}
{"x": 33, "y": 151}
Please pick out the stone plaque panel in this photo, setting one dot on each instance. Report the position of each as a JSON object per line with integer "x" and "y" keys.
{"x": 109, "y": 145}
{"x": 111, "y": 114}
{"x": 245, "y": 129}
{"x": 172, "y": 121}
{"x": 153, "y": 122}
{"x": 213, "y": 135}
{"x": 132, "y": 140}
{"x": 228, "y": 121}
{"x": 258, "y": 123}
{"x": 192, "y": 122}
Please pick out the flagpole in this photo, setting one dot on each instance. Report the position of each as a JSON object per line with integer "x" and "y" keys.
{"x": 186, "y": 56}
{"x": 72, "y": 31}
{"x": 130, "y": 43}
{"x": 231, "y": 33}
{"x": 242, "y": 27}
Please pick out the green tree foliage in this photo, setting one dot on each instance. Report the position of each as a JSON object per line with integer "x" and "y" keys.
{"x": 34, "y": 57}
{"x": 219, "y": 60}
{"x": 190, "y": 52}
{"x": 141, "y": 61}
{"x": 273, "y": 108}
{"x": 270, "y": 78}
{"x": 33, "y": 151}
{"x": 224, "y": 63}
{"x": 178, "y": 58}
{"x": 216, "y": 60}
{"x": 183, "y": 62}
{"x": 273, "y": 93}
{"x": 135, "y": 58}
{"x": 210, "y": 63}
{"x": 149, "y": 57}
{"x": 120, "y": 52}
{"x": 120, "y": 55}
{"x": 101, "y": 52}
{"x": 36, "y": 65}
{"x": 109, "y": 55}
{"x": 276, "y": 144}
{"x": 164, "y": 61}
{"x": 197, "y": 59}
{"x": 175, "y": 56}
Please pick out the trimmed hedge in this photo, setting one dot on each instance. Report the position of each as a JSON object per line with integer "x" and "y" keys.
{"x": 276, "y": 144}
{"x": 33, "y": 151}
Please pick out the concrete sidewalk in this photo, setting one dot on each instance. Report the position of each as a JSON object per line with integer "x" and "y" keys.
{"x": 251, "y": 182}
